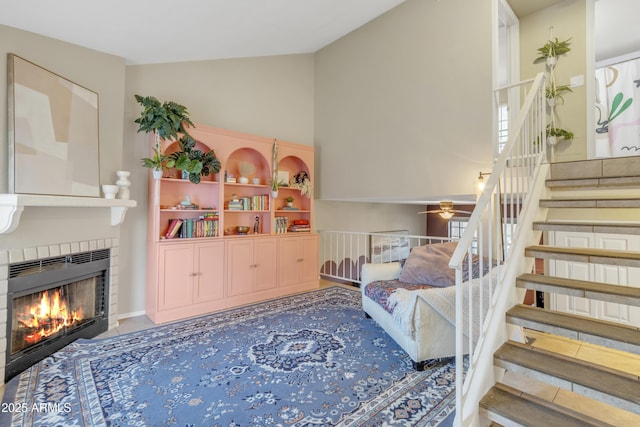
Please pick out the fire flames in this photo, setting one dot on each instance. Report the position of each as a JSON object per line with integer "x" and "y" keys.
{"x": 48, "y": 317}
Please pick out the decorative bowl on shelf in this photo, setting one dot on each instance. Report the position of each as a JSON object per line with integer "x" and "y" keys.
{"x": 242, "y": 229}
{"x": 110, "y": 191}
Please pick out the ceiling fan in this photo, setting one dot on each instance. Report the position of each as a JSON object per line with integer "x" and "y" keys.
{"x": 446, "y": 210}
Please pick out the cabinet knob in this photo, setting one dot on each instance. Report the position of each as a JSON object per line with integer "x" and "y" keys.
{"x": 300, "y": 259}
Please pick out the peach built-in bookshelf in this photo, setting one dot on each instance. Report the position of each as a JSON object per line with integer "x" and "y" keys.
{"x": 199, "y": 275}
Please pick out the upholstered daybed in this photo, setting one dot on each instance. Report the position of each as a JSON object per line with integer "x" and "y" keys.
{"x": 415, "y": 302}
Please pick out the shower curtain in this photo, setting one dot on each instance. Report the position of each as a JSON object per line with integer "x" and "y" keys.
{"x": 618, "y": 109}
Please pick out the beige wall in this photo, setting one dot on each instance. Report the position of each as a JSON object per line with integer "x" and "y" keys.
{"x": 366, "y": 217}
{"x": 94, "y": 70}
{"x": 267, "y": 96}
{"x": 97, "y": 71}
{"x": 382, "y": 107}
{"x": 568, "y": 20}
{"x": 403, "y": 104}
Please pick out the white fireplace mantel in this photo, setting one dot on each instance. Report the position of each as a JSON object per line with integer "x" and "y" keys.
{"x": 12, "y": 206}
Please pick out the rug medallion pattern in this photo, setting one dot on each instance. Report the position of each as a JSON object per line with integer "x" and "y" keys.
{"x": 305, "y": 360}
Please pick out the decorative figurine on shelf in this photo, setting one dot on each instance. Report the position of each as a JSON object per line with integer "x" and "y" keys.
{"x": 124, "y": 184}
{"x": 256, "y": 225}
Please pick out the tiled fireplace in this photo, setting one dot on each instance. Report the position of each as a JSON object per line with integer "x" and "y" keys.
{"x": 52, "y": 295}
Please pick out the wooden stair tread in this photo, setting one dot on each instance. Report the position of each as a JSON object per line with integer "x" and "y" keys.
{"x": 592, "y": 255}
{"x": 581, "y": 288}
{"x": 512, "y": 404}
{"x": 591, "y": 202}
{"x": 593, "y": 182}
{"x": 587, "y": 227}
{"x": 580, "y": 324}
{"x": 605, "y": 380}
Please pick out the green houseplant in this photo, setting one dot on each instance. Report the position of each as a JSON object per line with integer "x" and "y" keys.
{"x": 157, "y": 162}
{"x": 552, "y": 49}
{"x": 195, "y": 163}
{"x": 166, "y": 120}
{"x": 169, "y": 120}
{"x": 549, "y": 54}
{"x": 555, "y": 134}
{"x": 554, "y": 93}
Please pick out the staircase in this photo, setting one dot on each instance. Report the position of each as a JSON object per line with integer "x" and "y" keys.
{"x": 575, "y": 370}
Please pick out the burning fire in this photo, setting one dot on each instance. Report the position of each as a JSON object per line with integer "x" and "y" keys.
{"x": 48, "y": 317}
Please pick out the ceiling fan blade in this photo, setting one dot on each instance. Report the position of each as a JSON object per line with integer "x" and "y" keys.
{"x": 428, "y": 212}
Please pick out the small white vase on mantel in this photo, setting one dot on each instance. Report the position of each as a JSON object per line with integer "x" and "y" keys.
{"x": 124, "y": 184}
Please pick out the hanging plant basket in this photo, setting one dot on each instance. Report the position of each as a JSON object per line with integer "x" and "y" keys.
{"x": 551, "y": 50}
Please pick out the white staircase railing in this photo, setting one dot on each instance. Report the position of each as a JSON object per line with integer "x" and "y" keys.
{"x": 342, "y": 253}
{"x": 508, "y": 203}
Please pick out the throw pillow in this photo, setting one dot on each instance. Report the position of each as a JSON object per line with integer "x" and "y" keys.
{"x": 429, "y": 265}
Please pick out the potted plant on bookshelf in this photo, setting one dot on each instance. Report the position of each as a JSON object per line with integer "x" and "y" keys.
{"x": 289, "y": 201}
{"x": 245, "y": 168}
{"x": 157, "y": 163}
{"x": 166, "y": 120}
{"x": 194, "y": 163}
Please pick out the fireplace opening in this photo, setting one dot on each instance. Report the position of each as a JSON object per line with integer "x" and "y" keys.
{"x": 53, "y": 302}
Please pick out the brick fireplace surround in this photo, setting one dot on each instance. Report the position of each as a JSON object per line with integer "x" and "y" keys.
{"x": 10, "y": 256}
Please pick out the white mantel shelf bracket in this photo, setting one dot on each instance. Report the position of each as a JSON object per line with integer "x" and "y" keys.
{"x": 12, "y": 206}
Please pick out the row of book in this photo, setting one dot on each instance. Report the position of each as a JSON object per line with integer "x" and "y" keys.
{"x": 282, "y": 225}
{"x": 206, "y": 225}
{"x": 253, "y": 203}
{"x": 299, "y": 225}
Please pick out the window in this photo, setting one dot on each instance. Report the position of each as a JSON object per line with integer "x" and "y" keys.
{"x": 508, "y": 229}
{"x": 503, "y": 126}
{"x": 457, "y": 225}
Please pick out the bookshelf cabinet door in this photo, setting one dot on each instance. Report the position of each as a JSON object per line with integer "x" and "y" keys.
{"x": 265, "y": 261}
{"x": 209, "y": 285}
{"x": 298, "y": 260}
{"x": 289, "y": 264}
{"x": 309, "y": 264}
{"x": 176, "y": 276}
{"x": 240, "y": 266}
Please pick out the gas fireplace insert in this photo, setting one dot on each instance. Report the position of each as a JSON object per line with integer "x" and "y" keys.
{"x": 52, "y": 302}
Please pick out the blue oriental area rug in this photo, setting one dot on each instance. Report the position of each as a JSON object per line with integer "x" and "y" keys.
{"x": 306, "y": 360}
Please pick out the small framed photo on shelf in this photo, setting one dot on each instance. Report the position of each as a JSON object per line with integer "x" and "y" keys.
{"x": 283, "y": 178}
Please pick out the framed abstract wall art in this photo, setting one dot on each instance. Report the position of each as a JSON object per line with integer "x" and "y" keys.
{"x": 53, "y": 133}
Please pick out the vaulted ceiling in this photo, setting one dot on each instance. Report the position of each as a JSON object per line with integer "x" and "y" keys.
{"x": 154, "y": 31}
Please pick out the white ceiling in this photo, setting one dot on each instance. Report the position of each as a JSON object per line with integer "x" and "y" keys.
{"x": 155, "y": 31}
